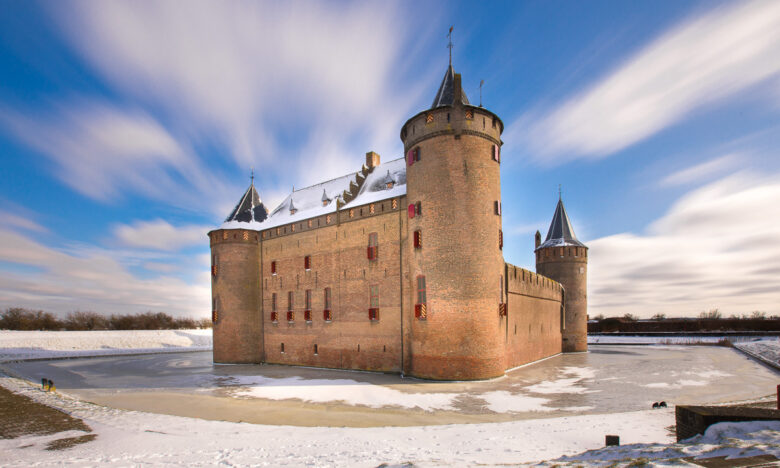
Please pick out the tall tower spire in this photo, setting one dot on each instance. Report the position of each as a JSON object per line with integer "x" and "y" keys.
{"x": 449, "y": 44}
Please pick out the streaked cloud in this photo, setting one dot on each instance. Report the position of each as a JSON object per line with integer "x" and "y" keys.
{"x": 702, "y": 171}
{"x": 696, "y": 64}
{"x": 160, "y": 235}
{"x": 63, "y": 282}
{"x": 715, "y": 247}
{"x": 20, "y": 221}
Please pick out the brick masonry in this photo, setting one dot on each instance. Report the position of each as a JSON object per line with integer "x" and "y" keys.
{"x": 483, "y": 316}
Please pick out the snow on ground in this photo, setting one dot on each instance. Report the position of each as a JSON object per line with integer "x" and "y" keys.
{"x": 127, "y": 438}
{"x": 345, "y": 390}
{"x": 23, "y": 345}
{"x": 767, "y": 351}
{"x": 732, "y": 440}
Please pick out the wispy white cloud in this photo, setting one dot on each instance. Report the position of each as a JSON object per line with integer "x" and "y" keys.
{"x": 105, "y": 153}
{"x": 698, "y": 63}
{"x": 703, "y": 171}
{"x": 160, "y": 235}
{"x": 63, "y": 282}
{"x": 715, "y": 247}
{"x": 14, "y": 220}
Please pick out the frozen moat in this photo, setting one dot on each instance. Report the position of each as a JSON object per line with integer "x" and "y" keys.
{"x": 607, "y": 379}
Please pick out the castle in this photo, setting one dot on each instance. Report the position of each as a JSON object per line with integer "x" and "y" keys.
{"x": 399, "y": 267}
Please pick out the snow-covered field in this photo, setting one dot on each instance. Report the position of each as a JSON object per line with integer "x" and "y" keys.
{"x": 767, "y": 351}
{"x": 682, "y": 339}
{"x": 139, "y": 438}
{"x": 23, "y": 345}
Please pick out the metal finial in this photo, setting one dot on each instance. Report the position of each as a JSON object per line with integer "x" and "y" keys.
{"x": 481, "y": 82}
{"x": 449, "y": 44}
{"x": 559, "y": 191}
{"x": 252, "y": 176}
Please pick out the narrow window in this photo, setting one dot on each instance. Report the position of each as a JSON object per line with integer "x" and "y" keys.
{"x": 418, "y": 208}
{"x": 494, "y": 122}
{"x": 308, "y": 223}
{"x": 273, "y": 267}
{"x": 326, "y": 314}
{"x": 214, "y": 311}
{"x": 307, "y": 312}
{"x": 429, "y": 118}
{"x": 316, "y": 352}
{"x": 497, "y": 207}
{"x": 501, "y": 239}
{"x": 395, "y": 203}
{"x": 290, "y": 305}
{"x": 448, "y": 117}
{"x": 307, "y": 262}
{"x": 352, "y": 213}
{"x": 373, "y": 311}
{"x": 417, "y": 239}
{"x": 373, "y": 246}
{"x": 214, "y": 266}
{"x": 371, "y": 209}
{"x": 417, "y": 154}
{"x": 282, "y": 348}
{"x": 420, "y": 308}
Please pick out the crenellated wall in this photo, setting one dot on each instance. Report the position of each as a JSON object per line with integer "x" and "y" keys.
{"x": 534, "y": 314}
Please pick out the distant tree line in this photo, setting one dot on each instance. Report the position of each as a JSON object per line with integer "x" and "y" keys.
{"x": 708, "y": 320}
{"x": 17, "y": 318}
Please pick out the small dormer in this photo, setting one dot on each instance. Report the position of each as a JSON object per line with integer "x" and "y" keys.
{"x": 325, "y": 200}
{"x": 293, "y": 209}
{"x": 389, "y": 181}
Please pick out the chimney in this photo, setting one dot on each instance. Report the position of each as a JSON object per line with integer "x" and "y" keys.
{"x": 372, "y": 160}
{"x": 457, "y": 91}
{"x": 537, "y": 239}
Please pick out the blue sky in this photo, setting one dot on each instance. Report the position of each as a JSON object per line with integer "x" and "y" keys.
{"x": 128, "y": 129}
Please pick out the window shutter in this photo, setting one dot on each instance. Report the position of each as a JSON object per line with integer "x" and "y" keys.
{"x": 412, "y": 211}
{"x": 500, "y": 239}
{"x": 307, "y": 262}
{"x": 417, "y": 154}
{"x": 410, "y": 157}
{"x": 417, "y": 239}
{"x": 495, "y": 152}
{"x": 273, "y": 268}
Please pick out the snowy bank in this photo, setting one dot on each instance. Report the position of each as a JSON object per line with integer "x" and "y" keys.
{"x": 766, "y": 351}
{"x": 25, "y": 345}
{"x": 681, "y": 339}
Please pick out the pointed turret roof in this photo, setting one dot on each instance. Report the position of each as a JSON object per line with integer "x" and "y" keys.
{"x": 561, "y": 232}
{"x": 445, "y": 95}
{"x": 249, "y": 208}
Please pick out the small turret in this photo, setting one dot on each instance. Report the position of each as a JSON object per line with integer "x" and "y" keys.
{"x": 563, "y": 258}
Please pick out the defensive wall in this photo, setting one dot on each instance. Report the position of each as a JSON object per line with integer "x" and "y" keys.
{"x": 534, "y": 314}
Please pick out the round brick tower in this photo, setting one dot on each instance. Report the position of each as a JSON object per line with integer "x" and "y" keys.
{"x": 454, "y": 242}
{"x": 563, "y": 258}
{"x": 235, "y": 284}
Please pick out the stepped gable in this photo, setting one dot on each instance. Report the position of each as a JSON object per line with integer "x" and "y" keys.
{"x": 358, "y": 188}
{"x": 249, "y": 209}
{"x": 561, "y": 232}
{"x": 445, "y": 95}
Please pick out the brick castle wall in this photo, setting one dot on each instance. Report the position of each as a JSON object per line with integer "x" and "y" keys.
{"x": 238, "y": 331}
{"x": 569, "y": 266}
{"x": 533, "y": 316}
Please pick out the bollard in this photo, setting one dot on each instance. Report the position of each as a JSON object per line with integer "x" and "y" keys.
{"x": 612, "y": 440}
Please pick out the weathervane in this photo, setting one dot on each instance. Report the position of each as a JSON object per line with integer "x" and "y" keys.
{"x": 449, "y": 44}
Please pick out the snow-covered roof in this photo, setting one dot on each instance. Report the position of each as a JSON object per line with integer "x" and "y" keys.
{"x": 309, "y": 202}
{"x": 249, "y": 209}
{"x": 561, "y": 232}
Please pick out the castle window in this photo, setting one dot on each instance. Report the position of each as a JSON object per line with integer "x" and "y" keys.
{"x": 496, "y": 154}
{"x": 494, "y": 122}
{"x": 418, "y": 208}
{"x": 352, "y": 213}
{"x": 373, "y": 311}
{"x": 245, "y": 235}
{"x": 214, "y": 266}
{"x": 373, "y": 246}
{"x": 307, "y": 312}
{"x": 214, "y": 310}
{"x": 308, "y": 223}
{"x": 292, "y": 226}
{"x": 500, "y": 239}
{"x": 421, "y": 308}
{"x": 429, "y": 118}
{"x": 307, "y": 262}
{"x": 316, "y": 352}
{"x": 417, "y": 239}
{"x": 561, "y": 251}
{"x": 448, "y": 117}
{"x": 290, "y": 306}
{"x": 273, "y": 267}
{"x": 327, "y": 219}
{"x": 417, "y": 154}
{"x": 326, "y": 315}
{"x": 371, "y": 208}
{"x": 469, "y": 114}
{"x": 282, "y": 348}
{"x": 497, "y": 207}
{"x": 395, "y": 203}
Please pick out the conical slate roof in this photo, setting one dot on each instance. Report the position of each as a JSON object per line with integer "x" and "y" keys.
{"x": 561, "y": 233}
{"x": 444, "y": 97}
{"x": 249, "y": 209}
